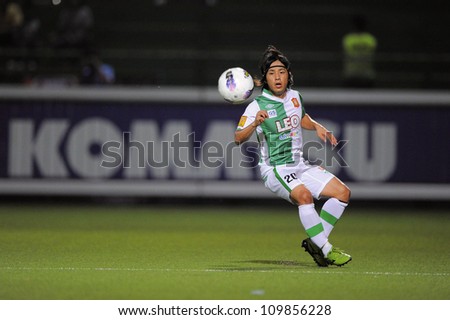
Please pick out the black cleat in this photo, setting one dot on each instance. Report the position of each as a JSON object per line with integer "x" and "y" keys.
{"x": 315, "y": 252}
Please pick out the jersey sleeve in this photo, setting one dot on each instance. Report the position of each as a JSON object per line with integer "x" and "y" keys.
{"x": 301, "y": 102}
{"x": 249, "y": 116}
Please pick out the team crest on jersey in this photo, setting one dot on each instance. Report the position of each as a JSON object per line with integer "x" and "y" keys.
{"x": 272, "y": 113}
{"x": 295, "y": 102}
{"x": 242, "y": 121}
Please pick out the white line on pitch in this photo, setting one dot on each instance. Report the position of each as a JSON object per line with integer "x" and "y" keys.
{"x": 369, "y": 273}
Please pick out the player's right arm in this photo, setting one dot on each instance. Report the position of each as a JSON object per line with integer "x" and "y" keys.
{"x": 247, "y": 125}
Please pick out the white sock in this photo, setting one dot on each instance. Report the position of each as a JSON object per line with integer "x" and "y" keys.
{"x": 326, "y": 248}
{"x": 330, "y": 214}
{"x": 313, "y": 226}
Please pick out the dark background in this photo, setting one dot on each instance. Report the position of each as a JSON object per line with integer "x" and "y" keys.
{"x": 181, "y": 42}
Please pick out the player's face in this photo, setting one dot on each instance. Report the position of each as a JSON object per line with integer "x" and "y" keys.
{"x": 277, "y": 78}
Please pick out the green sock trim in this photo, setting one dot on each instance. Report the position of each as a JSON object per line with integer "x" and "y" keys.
{"x": 314, "y": 231}
{"x": 328, "y": 217}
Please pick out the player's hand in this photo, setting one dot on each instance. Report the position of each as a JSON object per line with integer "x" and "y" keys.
{"x": 260, "y": 117}
{"x": 325, "y": 134}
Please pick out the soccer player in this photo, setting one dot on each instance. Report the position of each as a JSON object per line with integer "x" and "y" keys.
{"x": 278, "y": 116}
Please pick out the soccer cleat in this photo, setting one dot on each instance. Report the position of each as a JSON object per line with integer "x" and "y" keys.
{"x": 337, "y": 257}
{"x": 315, "y": 252}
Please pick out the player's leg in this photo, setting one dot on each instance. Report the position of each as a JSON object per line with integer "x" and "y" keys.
{"x": 309, "y": 217}
{"x": 316, "y": 244}
{"x": 332, "y": 210}
{"x": 323, "y": 183}
{"x": 287, "y": 178}
{"x": 284, "y": 182}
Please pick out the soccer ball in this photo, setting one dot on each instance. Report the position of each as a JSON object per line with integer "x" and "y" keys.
{"x": 235, "y": 85}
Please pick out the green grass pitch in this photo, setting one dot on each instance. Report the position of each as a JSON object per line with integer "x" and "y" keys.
{"x": 197, "y": 252}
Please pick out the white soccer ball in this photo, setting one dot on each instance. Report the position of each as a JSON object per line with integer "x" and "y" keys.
{"x": 235, "y": 85}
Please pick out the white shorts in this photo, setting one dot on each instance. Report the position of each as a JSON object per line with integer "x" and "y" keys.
{"x": 282, "y": 179}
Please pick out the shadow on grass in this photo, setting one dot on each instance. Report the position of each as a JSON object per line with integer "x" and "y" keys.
{"x": 265, "y": 265}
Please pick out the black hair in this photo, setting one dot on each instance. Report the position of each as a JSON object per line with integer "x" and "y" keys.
{"x": 269, "y": 56}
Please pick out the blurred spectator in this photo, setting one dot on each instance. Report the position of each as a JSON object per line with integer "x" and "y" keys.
{"x": 11, "y": 23}
{"x": 359, "y": 48}
{"x": 95, "y": 71}
{"x": 74, "y": 25}
{"x": 17, "y": 29}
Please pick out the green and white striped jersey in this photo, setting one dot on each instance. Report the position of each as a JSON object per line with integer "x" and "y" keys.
{"x": 280, "y": 135}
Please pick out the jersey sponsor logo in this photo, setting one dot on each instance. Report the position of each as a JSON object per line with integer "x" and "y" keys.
{"x": 287, "y": 135}
{"x": 272, "y": 113}
{"x": 288, "y": 123}
{"x": 295, "y": 102}
{"x": 242, "y": 121}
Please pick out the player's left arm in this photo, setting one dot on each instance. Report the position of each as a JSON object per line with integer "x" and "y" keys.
{"x": 323, "y": 133}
